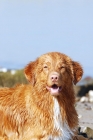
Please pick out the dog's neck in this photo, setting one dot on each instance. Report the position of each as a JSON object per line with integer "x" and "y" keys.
{"x": 60, "y": 109}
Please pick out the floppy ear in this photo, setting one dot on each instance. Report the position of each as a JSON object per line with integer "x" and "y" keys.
{"x": 77, "y": 72}
{"x": 30, "y": 72}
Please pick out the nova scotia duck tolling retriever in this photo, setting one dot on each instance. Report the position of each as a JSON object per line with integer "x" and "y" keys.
{"x": 44, "y": 109}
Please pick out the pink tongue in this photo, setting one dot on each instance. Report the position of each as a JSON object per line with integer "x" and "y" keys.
{"x": 54, "y": 91}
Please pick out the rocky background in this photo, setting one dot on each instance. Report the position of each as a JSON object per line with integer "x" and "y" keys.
{"x": 84, "y": 107}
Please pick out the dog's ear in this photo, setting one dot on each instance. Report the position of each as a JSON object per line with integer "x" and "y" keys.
{"x": 77, "y": 72}
{"x": 30, "y": 72}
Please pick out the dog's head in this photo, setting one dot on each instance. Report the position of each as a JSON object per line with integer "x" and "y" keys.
{"x": 55, "y": 70}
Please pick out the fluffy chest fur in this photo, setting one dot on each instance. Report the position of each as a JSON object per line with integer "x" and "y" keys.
{"x": 65, "y": 133}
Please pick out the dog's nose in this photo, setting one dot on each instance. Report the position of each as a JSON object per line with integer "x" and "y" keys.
{"x": 54, "y": 78}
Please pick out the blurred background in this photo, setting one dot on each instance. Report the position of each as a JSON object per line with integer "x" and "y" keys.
{"x": 29, "y": 28}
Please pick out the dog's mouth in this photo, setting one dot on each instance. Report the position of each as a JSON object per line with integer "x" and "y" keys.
{"x": 54, "y": 89}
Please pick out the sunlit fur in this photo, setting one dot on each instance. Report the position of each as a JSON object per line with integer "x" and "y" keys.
{"x": 30, "y": 112}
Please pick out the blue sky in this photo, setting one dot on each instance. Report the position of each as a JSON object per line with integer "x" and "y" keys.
{"x": 29, "y": 28}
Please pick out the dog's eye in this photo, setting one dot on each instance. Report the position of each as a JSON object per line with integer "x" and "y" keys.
{"x": 45, "y": 67}
{"x": 62, "y": 67}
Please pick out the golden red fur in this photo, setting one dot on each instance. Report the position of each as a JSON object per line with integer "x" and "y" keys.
{"x": 43, "y": 109}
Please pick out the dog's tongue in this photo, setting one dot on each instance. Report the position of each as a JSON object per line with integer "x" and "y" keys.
{"x": 54, "y": 90}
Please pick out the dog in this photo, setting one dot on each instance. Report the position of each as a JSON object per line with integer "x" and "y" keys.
{"x": 43, "y": 109}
